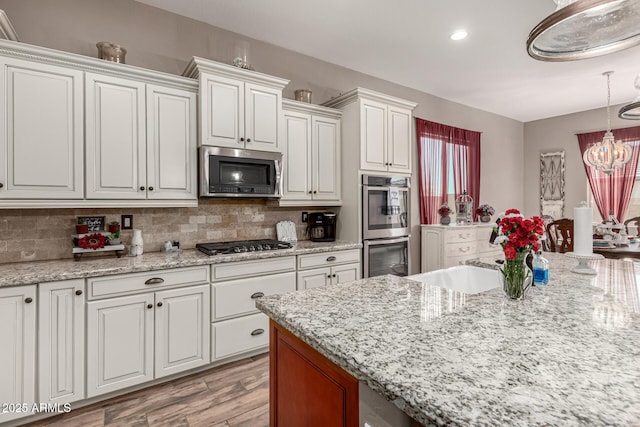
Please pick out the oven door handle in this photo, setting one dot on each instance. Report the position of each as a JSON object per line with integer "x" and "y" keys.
{"x": 386, "y": 241}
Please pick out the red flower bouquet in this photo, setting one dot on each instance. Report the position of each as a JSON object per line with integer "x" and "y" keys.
{"x": 92, "y": 241}
{"x": 444, "y": 210}
{"x": 518, "y": 236}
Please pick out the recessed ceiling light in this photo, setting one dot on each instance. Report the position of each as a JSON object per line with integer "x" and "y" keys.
{"x": 458, "y": 35}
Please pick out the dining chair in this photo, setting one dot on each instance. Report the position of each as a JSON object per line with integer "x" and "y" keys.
{"x": 631, "y": 222}
{"x": 546, "y": 220}
{"x": 560, "y": 235}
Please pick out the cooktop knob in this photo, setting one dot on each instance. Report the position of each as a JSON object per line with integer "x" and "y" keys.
{"x": 252, "y": 248}
{"x": 259, "y": 247}
{"x": 236, "y": 249}
{"x": 266, "y": 246}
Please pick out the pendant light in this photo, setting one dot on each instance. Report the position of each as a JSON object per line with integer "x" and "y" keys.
{"x": 632, "y": 111}
{"x": 581, "y": 29}
{"x": 608, "y": 154}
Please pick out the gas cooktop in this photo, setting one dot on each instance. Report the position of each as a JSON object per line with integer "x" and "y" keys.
{"x": 221, "y": 248}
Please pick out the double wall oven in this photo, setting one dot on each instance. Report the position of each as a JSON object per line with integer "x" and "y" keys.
{"x": 385, "y": 225}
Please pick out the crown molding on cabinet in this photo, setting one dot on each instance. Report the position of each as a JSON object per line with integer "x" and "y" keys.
{"x": 305, "y": 107}
{"x": 198, "y": 65}
{"x": 360, "y": 92}
{"x": 87, "y": 63}
{"x": 6, "y": 29}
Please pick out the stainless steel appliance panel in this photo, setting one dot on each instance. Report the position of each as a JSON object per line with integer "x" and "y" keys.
{"x": 382, "y": 215}
{"x": 386, "y": 256}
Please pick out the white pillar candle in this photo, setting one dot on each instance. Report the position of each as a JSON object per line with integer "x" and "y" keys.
{"x": 582, "y": 230}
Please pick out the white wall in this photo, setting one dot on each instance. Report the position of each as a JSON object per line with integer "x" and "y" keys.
{"x": 559, "y": 133}
{"x": 164, "y": 41}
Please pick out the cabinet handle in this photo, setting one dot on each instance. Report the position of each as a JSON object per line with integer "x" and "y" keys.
{"x": 154, "y": 281}
{"x": 160, "y": 304}
{"x": 257, "y": 332}
{"x": 241, "y": 139}
{"x": 150, "y": 188}
{"x": 28, "y": 300}
{"x": 141, "y": 188}
{"x": 78, "y": 292}
{"x": 149, "y": 306}
{"x": 331, "y": 258}
{"x": 257, "y": 295}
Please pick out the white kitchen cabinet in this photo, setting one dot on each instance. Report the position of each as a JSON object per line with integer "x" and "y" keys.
{"x": 238, "y": 108}
{"x": 237, "y": 325}
{"x": 171, "y": 144}
{"x": 119, "y": 343}
{"x": 41, "y": 131}
{"x": 61, "y": 332}
{"x": 444, "y": 246}
{"x": 158, "y": 328}
{"x": 181, "y": 329}
{"x": 312, "y": 144}
{"x": 382, "y": 125}
{"x": 328, "y": 268}
{"x": 18, "y": 350}
{"x": 141, "y": 141}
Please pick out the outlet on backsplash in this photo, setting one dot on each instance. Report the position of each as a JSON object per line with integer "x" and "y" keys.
{"x": 305, "y": 216}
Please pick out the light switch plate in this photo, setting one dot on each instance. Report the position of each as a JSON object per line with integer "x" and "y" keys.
{"x": 127, "y": 222}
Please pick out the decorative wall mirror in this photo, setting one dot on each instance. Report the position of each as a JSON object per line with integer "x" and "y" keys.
{"x": 552, "y": 184}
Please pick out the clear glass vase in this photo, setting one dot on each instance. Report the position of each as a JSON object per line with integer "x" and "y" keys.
{"x": 516, "y": 277}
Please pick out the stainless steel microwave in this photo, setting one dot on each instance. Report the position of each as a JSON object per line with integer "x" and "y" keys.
{"x": 232, "y": 172}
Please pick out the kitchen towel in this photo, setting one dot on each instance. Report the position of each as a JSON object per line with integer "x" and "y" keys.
{"x": 582, "y": 230}
{"x": 393, "y": 201}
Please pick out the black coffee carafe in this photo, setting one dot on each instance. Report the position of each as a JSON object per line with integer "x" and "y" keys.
{"x": 322, "y": 226}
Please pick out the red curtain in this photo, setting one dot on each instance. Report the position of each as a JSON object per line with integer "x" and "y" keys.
{"x": 435, "y": 143}
{"x": 612, "y": 192}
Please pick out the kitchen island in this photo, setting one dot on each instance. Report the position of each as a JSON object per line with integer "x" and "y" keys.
{"x": 569, "y": 354}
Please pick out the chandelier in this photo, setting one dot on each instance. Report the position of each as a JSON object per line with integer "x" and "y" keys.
{"x": 608, "y": 154}
{"x": 632, "y": 111}
{"x": 581, "y": 29}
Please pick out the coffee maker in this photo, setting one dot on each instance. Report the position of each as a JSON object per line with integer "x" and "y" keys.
{"x": 322, "y": 226}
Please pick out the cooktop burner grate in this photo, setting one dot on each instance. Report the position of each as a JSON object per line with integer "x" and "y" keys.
{"x": 221, "y": 248}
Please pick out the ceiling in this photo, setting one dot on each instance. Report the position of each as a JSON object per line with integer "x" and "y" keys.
{"x": 407, "y": 42}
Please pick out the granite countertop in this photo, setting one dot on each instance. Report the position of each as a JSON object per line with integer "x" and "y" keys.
{"x": 569, "y": 354}
{"x": 25, "y": 273}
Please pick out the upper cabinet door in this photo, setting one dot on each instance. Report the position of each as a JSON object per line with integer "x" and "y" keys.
{"x": 115, "y": 138}
{"x": 222, "y": 114}
{"x": 373, "y": 134}
{"x": 263, "y": 106}
{"x": 297, "y": 169}
{"x": 326, "y": 152}
{"x": 399, "y": 142}
{"x": 171, "y": 144}
{"x": 41, "y": 131}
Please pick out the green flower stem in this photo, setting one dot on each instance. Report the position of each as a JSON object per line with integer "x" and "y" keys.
{"x": 515, "y": 274}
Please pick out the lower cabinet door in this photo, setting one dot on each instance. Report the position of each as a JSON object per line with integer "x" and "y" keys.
{"x": 119, "y": 343}
{"x": 345, "y": 273}
{"x": 313, "y": 278}
{"x": 61, "y": 325}
{"x": 182, "y": 329}
{"x": 234, "y": 336}
{"x": 17, "y": 352}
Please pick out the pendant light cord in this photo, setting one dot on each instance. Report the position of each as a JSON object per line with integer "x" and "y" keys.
{"x": 608, "y": 101}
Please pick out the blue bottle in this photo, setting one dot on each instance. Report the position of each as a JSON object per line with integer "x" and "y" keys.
{"x": 540, "y": 270}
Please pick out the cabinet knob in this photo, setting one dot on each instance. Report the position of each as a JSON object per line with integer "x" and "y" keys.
{"x": 1, "y": 185}
{"x": 160, "y": 304}
{"x": 28, "y": 300}
{"x": 248, "y": 139}
{"x": 79, "y": 292}
{"x": 328, "y": 276}
{"x": 150, "y": 188}
{"x": 386, "y": 164}
{"x": 309, "y": 191}
{"x": 390, "y": 164}
{"x": 149, "y": 306}
{"x": 257, "y": 295}
{"x": 241, "y": 139}
{"x": 257, "y": 332}
{"x": 314, "y": 191}
{"x": 333, "y": 275}
{"x": 141, "y": 188}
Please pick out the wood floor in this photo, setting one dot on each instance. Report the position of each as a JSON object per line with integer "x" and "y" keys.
{"x": 236, "y": 394}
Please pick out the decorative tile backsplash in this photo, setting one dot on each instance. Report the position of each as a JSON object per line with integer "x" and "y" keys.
{"x": 43, "y": 234}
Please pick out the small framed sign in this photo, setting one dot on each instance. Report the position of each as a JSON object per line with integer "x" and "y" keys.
{"x": 95, "y": 223}
{"x": 127, "y": 222}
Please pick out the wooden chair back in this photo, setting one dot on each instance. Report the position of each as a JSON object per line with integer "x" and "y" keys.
{"x": 633, "y": 221}
{"x": 546, "y": 220}
{"x": 560, "y": 235}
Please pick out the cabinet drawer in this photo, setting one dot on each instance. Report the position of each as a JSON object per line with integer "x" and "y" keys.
{"x": 328, "y": 259}
{"x": 237, "y": 297}
{"x": 462, "y": 235}
{"x": 484, "y": 233}
{"x": 236, "y": 336}
{"x": 460, "y": 249}
{"x": 484, "y": 247}
{"x": 259, "y": 267}
{"x": 125, "y": 284}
